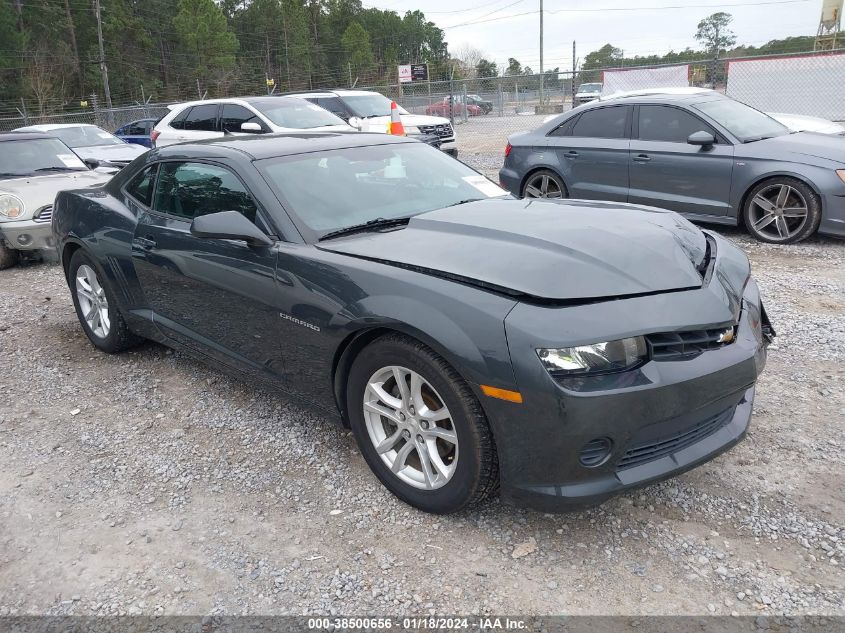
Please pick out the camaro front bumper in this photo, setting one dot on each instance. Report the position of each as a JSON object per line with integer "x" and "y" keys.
{"x": 27, "y": 235}
{"x": 575, "y": 442}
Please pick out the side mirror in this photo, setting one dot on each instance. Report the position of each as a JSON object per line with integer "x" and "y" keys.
{"x": 91, "y": 163}
{"x": 356, "y": 122}
{"x": 251, "y": 127}
{"x": 702, "y": 138}
{"x": 229, "y": 225}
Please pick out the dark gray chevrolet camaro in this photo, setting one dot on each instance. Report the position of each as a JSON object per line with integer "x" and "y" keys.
{"x": 560, "y": 350}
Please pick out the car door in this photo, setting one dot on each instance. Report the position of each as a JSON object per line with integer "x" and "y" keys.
{"x": 591, "y": 152}
{"x": 216, "y": 296}
{"x": 199, "y": 123}
{"x": 668, "y": 172}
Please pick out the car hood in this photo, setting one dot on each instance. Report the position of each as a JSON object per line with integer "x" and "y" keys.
{"x": 571, "y": 250}
{"x": 40, "y": 191}
{"x": 798, "y": 147}
{"x": 122, "y": 153}
{"x": 379, "y": 123}
{"x": 803, "y": 123}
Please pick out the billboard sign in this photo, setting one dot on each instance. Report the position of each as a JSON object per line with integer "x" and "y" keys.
{"x": 409, "y": 73}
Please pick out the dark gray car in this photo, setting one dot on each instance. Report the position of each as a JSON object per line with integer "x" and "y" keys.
{"x": 565, "y": 351}
{"x": 706, "y": 156}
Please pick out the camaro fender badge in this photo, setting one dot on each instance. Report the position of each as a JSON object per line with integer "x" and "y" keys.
{"x": 293, "y": 319}
{"x": 740, "y": 164}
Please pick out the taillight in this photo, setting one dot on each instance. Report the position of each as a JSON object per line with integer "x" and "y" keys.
{"x": 508, "y": 149}
{"x": 154, "y": 135}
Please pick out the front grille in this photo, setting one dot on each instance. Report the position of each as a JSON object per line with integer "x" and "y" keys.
{"x": 684, "y": 345}
{"x": 44, "y": 216}
{"x": 443, "y": 131}
{"x": 660, "y": 447}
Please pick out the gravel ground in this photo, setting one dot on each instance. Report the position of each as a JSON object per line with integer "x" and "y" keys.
{"x": 147, "y": 483}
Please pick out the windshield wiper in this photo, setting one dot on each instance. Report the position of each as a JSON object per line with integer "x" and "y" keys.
{"x": 759, "y": 138}
{"x": 8, "y": 174}
{"x": 371, "y": 225}
{"x": 468, "y": 200}
{"x": 59, "y": 169}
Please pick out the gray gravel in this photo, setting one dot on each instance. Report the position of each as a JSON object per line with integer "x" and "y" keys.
{"x": 149, "y": 483}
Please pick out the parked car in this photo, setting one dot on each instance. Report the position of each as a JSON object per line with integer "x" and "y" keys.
{"x": 587, "y": 92}
{"x": 486, "y": 106}
{"x": 92, "y": 144}
{"x": 33, "y": 168}
{"x": 448, "y": 107}
{"x": 137, "y": 132}
{"x": 370, "y": 112}
{"x": 213, "y": 118}
{"x": 804, "y": 123}
{"x": 414, "y": 300}
{"x": 704, "y": 155}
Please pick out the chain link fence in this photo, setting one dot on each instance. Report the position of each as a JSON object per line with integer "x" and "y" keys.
{"x": 108, "y": 119}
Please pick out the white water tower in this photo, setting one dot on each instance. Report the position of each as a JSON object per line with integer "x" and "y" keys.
{"x": 829, "y": 25}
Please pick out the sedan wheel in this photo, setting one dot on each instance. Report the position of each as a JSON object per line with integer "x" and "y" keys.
{"x": 544, "y": 184}
{"x": 782, "y": 211}
{"x": 92, "y": 301}
{"x": 419, "y": 426}
{"x": 410, "y": 427}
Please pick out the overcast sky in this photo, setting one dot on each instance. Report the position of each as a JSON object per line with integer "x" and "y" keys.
{"x": 637, "y": 26}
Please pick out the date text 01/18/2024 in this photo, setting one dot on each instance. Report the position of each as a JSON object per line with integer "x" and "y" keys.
{"x": 431, "y": 623}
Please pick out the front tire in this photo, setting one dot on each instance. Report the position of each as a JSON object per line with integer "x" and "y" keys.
{"x": 9, "y": 257}
{"x": 420, "y": 427}
{"x": 96, "y": 307}
{"x": 782, "y": 211}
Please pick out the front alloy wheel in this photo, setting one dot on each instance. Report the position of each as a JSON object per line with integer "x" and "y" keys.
{"x": 782, "y": 211}
{"x": 410, "y": 427}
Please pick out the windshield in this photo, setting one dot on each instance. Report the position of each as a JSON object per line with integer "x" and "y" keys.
{"x": 589, "y": 88}
{"x": 339, "y": 188}
{"x": 743, "y": 121}
{"x": 85, "y": 136}
{"x": 31, "y": 156}
{"x": 370, "y": 105}
{"x": 297, "y": 114}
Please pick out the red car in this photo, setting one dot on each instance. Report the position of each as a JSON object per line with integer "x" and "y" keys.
{"x": 442, "y": 108}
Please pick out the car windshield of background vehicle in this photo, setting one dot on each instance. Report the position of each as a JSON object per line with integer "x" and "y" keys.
{"x": 297, "y": 114}
{"x": 367, "y": 106}
{"x": 589, "y": 88}
{"x": 743, "y": 121}
{"x": 360, "y": 184}
{"x": 37, "y": 156}
{"x": 85, "y": 136}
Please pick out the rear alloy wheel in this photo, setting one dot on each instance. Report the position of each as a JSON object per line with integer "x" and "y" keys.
{"x": 8, "y": 256}
{"x": 544, "y": 184}
{"x": 420, "y": 427}
{"x": 782, "y": 211}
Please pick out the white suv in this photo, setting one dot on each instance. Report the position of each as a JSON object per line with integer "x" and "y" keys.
{"x": 197, "y": 120}
{"x": 370, "y": 112}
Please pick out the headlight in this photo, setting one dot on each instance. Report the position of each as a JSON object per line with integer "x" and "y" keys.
{"x": 412, "y": 129}
{"x": 11, "y": 207}
{"x": 841, "y": 174}
{"x": 597, "y": 358}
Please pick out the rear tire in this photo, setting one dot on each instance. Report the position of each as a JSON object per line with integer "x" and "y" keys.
{"x": 8, "y": 256}
{"x": 782, "y": 210}
{"x": 435, "y": 417}
{"x": 96, "y": 306}
{"x": 544, "y": 184}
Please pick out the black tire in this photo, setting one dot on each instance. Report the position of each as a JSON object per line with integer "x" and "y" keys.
{"x": 119, "y": 337}
{"x": 555, "y": 187}
{"x": 476, "y": 473}
{"x": 782, "y": 230}
{"x": 9, "y": 257}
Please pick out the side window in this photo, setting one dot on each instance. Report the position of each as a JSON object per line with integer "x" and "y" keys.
{"x": 670, "y": 125}
{"x": 140, "y": 187}
{"x": 565, "y": 128}
{"x": 188, "y": 190}
{"x": 202, "y": 118}
{"x": 333, "y": 105}
{"x": 608, "y": 122}
{"x": 178, "y": 122}
{"x": 120, "y": 131}
{"x": 233, "y": 116}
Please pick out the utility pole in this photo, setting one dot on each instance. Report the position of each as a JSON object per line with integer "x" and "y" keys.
{"x": 103, "y": 68}
{"x": 542, "y": 76}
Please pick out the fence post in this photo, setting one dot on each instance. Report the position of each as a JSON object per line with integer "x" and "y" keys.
{"x": 24, "y": 113}
{"x": 501, "y": 99}
{"x": 466, "y": 109}
{"x": 96, "y": 107}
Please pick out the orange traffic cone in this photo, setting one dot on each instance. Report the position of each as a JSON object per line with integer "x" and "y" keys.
{"x": 395, "y": 126}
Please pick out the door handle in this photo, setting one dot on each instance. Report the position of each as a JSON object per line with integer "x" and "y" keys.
{"x": 145, "y": 243}
{"x": 571, "y": 154}
{"x": 642, "y": 158}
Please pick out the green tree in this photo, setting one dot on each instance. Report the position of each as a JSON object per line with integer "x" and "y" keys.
{"x": 356, "y": 44}
{"x": 608, "y": 56}
{"x": 714, "y": 34}
{"x": 205, "y": 39}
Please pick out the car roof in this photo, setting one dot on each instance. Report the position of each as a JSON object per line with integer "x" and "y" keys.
{"x": 22, "y": 136}
{"x": 656, "y": 97}
{"x": 46, "y": 127}
{"x": 274, "y": 99}
{"x": 262, "y": 146}
{"x": 340, "y": 92}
